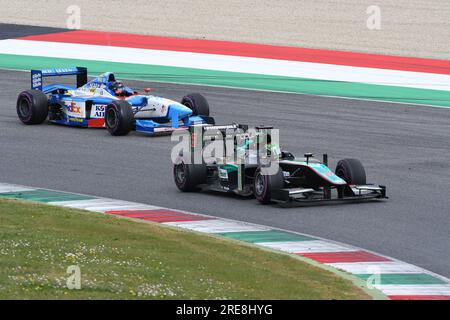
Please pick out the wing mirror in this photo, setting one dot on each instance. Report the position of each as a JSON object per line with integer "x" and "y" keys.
{"x": 307, "y": 156}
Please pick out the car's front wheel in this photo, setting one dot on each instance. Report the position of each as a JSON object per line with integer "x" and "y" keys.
{"x": 119, "y": 118}
{"x": 352, "y": 171}
{"x": 197, "y": 103}
{"x": 265, "y": 184}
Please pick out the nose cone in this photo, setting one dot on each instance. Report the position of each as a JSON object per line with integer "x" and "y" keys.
{"x": 180, "y": 110}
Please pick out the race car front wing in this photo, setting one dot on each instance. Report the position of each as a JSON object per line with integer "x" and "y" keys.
{"x": 151, "y": 127}
{"x": 341, "y": 194}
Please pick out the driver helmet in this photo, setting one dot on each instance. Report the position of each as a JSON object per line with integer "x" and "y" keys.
{"x": 274, "y": 151}
{"x": 118, "y": 88}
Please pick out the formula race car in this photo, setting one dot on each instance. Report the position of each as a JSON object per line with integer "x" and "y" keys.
{"x": 106, "y": 102}
{"x": 303, "y": 180}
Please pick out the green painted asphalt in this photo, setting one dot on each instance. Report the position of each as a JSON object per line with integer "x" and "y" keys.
{"x": 237, "y": 80}
{"x": 266, "y": 236}
{"x": 405, "y": 278}
{"x": 40, "y": 195}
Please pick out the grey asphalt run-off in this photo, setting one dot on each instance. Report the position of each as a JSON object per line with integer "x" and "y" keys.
{"x": 404, "y": 147}
{"x": 11, "y": 31}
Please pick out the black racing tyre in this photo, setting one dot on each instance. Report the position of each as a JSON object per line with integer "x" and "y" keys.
{"x": 352, "y": 171}
{"x": 119, "y": 118}
{"x": 197, "y": 103}
{"x": 188, "y": 176}
{"x": 264, "y": 185}
{"x": 32, "y": 107}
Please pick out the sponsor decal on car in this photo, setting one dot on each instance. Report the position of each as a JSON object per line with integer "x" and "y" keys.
{"x": 223, "y": 174}
{"x": 169, "y": 129}
{"x": 75, "y": 109}
{"x": 59, "y": 71}
{"x": 93, "y": 85}
{"x": 36, "y": 80}
{"x": 76, "y": 120}
{"x": 98, "y": 111}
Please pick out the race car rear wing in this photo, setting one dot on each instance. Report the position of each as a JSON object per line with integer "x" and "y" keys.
{"x": 38, "y": 75}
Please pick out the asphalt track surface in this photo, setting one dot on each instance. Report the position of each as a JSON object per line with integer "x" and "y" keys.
{"x": 404, "y": 147}
{"x": 11, "y": 31}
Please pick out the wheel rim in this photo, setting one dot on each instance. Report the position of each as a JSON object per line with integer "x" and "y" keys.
{"x": 111, "y": 118}
{"x": 24, "y": 108}
{"x": 341, "y": 174}
{"x": 259, "y": 184}
{"x": 190, "y": 105}
{"x": 180, "y": 174}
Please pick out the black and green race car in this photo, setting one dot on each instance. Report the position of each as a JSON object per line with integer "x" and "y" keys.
{"x": 304, "y": 180}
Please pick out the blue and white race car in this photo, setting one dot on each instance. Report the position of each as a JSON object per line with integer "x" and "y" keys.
{"x": 106, "y": 102}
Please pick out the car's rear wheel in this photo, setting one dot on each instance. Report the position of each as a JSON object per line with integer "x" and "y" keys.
{"x": 188, "y": 176}
{"x": 352, "y": 171}
{"x": 264, "y": 185}
{"x": 32, "y": 107}
{"x": 197, "y": 103}
{"x": 119, "y": 118}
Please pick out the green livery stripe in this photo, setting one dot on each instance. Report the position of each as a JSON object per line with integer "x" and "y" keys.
{"x": 405, "y": 278}
{"x": 237, "y": 80}
{"x": 40, "y": 195}
{"x": 266, "y": 236}
{"x": 229, "y": 167}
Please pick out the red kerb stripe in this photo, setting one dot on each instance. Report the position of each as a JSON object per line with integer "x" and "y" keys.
{"x": 342, "y": 257}
{"x": 248, "y": 50}
{"x": 158, "y": 215}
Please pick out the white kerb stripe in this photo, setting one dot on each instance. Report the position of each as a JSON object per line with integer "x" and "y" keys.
{"x": 80, "y": 204}
{"x": 102, "y": 205}
{"x": 6, "y": 189}
{"x": 216, "y": 226}
{"x": 118, "y": 208}
{"x": 313, "y": 246}
{"x": 381, "y": 267}
{"x": 309, "y": 70}
{"x": 395, "y": 289}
